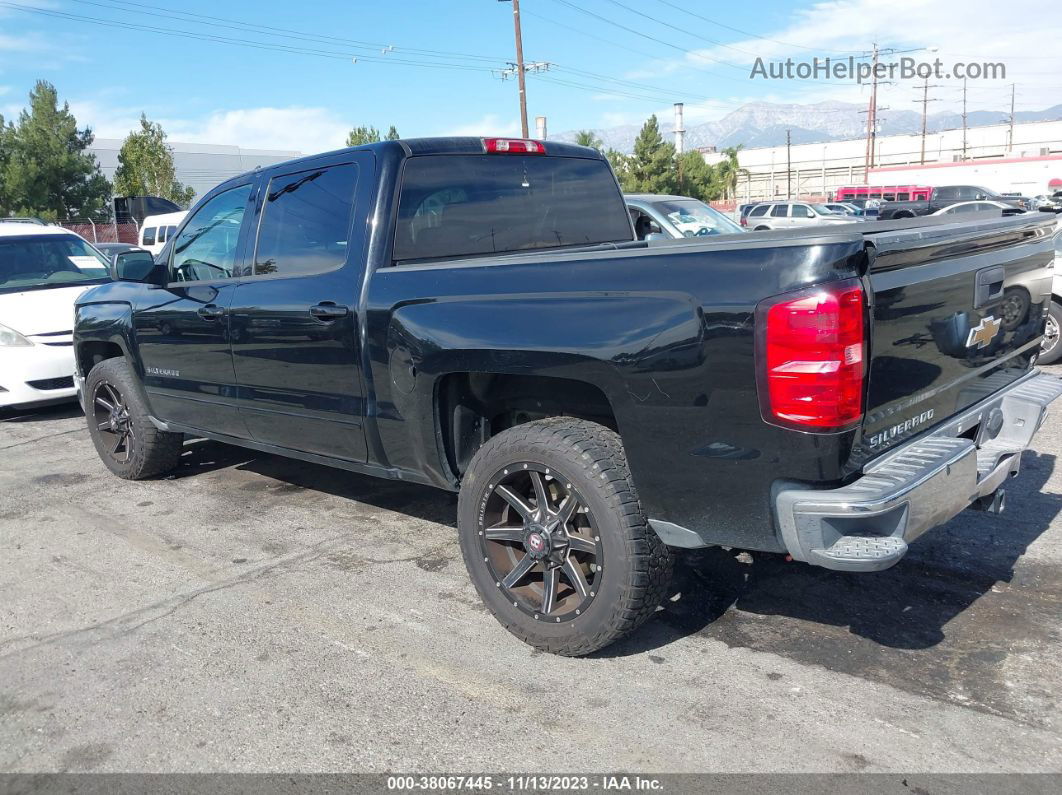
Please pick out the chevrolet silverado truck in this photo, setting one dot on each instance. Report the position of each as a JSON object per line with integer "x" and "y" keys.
{"x": 943, "y": 197}
{"x": 478, "y": 315}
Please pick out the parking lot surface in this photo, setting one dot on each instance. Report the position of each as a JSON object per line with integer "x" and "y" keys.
{"x": 253, "y": 613}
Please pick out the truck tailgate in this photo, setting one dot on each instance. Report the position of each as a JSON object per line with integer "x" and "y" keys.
{"x": 957, "y": 314}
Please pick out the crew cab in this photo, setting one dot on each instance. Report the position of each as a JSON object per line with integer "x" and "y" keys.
{"x": 942, "y": 198}
{"x": 477, "y": 315}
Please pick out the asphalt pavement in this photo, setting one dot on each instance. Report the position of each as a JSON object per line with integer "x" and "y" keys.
{"x": 252, "y": 613}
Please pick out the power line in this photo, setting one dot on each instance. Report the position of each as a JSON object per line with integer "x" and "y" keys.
{"x": 747, "y": 33}
{"x": 260, "y": 45}
{"x": 270, "y": 30}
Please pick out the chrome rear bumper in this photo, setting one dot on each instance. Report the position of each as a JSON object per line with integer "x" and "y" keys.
{"x": 866, "y": 525}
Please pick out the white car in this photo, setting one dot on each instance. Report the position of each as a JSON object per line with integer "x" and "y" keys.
{"x": 157, "y": 229}
{"x": 1050, "y": 349}
{"x": 43, "y": 269}
{"x": 979, "y": 207}
{"x": 788, "y": 215}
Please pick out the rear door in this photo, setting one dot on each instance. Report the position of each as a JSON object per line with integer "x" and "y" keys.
{"x": 182, "y": 329}
{"x": 779, "y": 216}
{"x": 295, "y": 330}
{"x": 957, "y": 314}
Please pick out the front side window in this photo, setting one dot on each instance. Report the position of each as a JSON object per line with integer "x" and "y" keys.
{"x": 37, "y": 262}
{"x": 947, "y": 194}
{"x": 803, "y": 211}
{"x": 468, "y": 205}
{"x": 694, "y": 218}
{"x": 306, "y": 221}
{"x": 206, "y": 247}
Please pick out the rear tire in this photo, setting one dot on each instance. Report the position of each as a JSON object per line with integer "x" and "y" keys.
{"x": 1051, "y": 349}
{"x": 762, "y": 229}
{"x": 120, "y": 424}
{"x": 555, "y": 539}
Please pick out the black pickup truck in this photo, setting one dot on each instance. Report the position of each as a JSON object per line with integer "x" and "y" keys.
{"x": 477, "y": 315}
{"x": 946, "y": 196}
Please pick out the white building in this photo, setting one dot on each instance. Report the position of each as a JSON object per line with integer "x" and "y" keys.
{"x": 1025, "y": 161}
{"x": 202, "y": 166}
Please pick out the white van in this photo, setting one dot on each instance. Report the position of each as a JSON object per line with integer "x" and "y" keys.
{"x": 157, "y": 229}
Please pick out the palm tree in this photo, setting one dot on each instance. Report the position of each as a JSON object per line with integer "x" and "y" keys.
{"x": 588, "y": 138}
{"x": 730, "y": 170}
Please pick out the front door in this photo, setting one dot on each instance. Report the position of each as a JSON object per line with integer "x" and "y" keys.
{"x": 182, "y": 329}
{"x": 295, "y": 316}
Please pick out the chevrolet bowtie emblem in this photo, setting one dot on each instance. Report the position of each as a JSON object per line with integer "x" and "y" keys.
{"x": 983, "y": 333}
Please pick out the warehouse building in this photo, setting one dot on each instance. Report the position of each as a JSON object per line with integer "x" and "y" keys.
{"x": 1025, "y": 158}
{"x": 202, "y": 166}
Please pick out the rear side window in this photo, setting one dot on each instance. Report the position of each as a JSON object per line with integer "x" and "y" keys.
{"x": 306, "y": 221}
{"x": 759, "y": 209}
{"x": 149, "y": 236}
{"x": 779, "y": 211}
{"x": 464, "y": 205}
{"x": 902, "y": 197}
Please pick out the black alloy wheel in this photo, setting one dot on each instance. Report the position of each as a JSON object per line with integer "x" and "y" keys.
{"x": 540, "y": 542}
{"x": 111, "y": 415}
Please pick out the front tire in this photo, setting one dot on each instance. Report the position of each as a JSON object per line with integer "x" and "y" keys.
{"x": 1051, "y": 349}
{"x": 120, "y": 424}
{"x": 555, "y": 539}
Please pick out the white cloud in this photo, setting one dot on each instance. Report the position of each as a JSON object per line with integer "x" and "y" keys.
{"x": 962, "y": 30}
{"x": 296, "y": 128}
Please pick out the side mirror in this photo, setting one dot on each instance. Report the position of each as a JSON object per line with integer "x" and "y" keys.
{"x": 654, "y": 228}
{"x": 657, "y": 235}
{"x": 138, "y": 266}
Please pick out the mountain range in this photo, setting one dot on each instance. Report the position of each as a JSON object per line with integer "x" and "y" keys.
{"x": 765, "y": 124}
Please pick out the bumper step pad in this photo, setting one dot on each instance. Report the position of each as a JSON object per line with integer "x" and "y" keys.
{"x": 868, "y": 524}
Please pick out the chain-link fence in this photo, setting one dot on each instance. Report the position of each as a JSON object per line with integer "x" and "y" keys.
{"x": 102, "y": 231}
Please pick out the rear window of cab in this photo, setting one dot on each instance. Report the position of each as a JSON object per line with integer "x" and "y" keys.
{"x": 470, "y": 205}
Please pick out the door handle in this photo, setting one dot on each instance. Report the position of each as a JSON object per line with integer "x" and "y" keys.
{"x": 988, "y": 285}
{"x": 211, "y": 312}
{"x": 327, "y": 310}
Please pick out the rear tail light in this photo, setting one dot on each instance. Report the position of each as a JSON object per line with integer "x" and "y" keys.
{"x": 513, "y": 146}
{"x": 744, "y": 221}
{"x": 811, "y": 350}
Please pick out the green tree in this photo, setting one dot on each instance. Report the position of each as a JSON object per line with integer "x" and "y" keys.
{"x": 363, "y": 135}
{"x": 589, "y": 138}
{"x": 652, "y": 166}
{"x": 621, "y": 166}
{"x": 45, "y": 168}
{"x": 392, "y": 134}
{"x": 728, "y": 171}
{"x": 696, "y": 178}
{"x": 145, "y": 166}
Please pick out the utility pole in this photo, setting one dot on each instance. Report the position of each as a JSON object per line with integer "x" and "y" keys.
{"x": 964, "y": 118}
{"x": 925, "y": 103}
{"x": 1010, "y": 134}
{"x": 788, "y": 167}
{"x": 872, "y": 113}
{"x": 520, "y": 67}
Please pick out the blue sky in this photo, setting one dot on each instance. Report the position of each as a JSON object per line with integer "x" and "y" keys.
{"x": 614, "y": 61}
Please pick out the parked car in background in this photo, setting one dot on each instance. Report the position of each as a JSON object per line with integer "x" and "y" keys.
{"x": 844, "y": 208}
{"x": 743, "y": 211}
{"x": 942, "y": 197}
{"x": 43, "y": 269}
{"x": 676, "y": 217}
{"x": 979, "y": 207}
{"x": 23, "y": 220}
{"x": 110, "y": 249}
{"x": 868, "y": 207}
{"x": 1050, "y": 349}
{"x": 157, "y": 229}
{"x": 1025, "y": 202}
{"x": 787, "y": 215}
